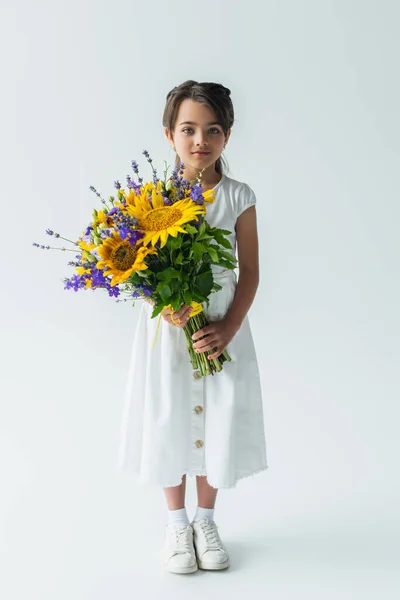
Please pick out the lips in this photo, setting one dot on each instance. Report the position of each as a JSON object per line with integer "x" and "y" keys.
{"x": 201, "y": 152}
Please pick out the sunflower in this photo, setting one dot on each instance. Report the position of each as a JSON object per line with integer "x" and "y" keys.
{"x": 159, "y": 221}
{"x": 85, "y": 246}
{"x": 102, "y": 218}
{"x": 209, "y": 196}
{"x": 121, "y": 258}
{"x": 83, "y": 271}
{"x": 86, "y": 249}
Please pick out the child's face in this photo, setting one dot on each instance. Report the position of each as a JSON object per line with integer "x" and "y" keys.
{"x": 203, "y": 134}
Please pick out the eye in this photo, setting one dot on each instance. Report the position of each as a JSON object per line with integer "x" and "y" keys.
{"x": 190, "y": 129}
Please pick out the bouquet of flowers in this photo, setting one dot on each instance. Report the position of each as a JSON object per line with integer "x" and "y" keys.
{"x": 153, "y": 242}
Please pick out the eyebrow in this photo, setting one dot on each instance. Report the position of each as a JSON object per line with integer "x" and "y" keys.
{"x": 193, "y": 123}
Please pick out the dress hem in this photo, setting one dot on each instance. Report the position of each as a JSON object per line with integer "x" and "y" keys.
{"x": 199, "y": 473}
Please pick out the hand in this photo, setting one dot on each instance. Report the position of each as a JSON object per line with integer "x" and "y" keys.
{"x": 180, "y": 317}
{"x": 217, "y": 334}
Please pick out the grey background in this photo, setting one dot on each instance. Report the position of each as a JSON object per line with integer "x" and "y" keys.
{"x": 316, "y": 93}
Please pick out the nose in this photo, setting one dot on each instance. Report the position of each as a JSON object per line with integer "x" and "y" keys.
{"x": 201, "y": 140}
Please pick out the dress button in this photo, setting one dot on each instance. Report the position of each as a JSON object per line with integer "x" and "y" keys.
{"x": 199, "y": 443}
{"x": 197, "y": 375}
{"x": 198, "y": 409}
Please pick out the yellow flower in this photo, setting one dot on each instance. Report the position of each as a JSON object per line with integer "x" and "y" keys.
{"x": 121, "y": 258}
{"x": 159, "y": 221}
{"x": 82, "y": 270}
{"x": 102, "y": 219}
{"x": 133, "y": 198}
{"x": 209, "y": 196}
{"x": 85, "y": 246}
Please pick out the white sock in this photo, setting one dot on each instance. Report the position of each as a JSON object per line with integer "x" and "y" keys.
{"x": 178, "y": 517}
{"x": 204, "y": 512}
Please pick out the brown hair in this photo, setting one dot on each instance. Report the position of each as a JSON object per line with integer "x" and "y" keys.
{"x": 214, "y": 95}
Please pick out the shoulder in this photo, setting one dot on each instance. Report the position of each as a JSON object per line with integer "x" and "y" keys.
{"x": 242, "y": 194}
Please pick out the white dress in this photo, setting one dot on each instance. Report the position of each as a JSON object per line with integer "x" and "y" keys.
{"x": 175, "y": 422}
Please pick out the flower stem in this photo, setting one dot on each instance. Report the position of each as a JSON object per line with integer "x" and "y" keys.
{"x": 200, "y": 360}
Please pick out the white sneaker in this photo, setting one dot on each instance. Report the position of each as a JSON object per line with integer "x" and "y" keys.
{"x": 179, "y": 553}
{"x": 210, "y": 551}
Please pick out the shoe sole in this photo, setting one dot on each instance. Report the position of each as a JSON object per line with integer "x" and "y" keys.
{"x": 182, "y": 570}
{"x": 213, "y": 566}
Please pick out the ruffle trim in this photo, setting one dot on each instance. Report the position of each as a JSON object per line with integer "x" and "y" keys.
{"x": 201, "y": 473}
{"x": 204, "y": 473}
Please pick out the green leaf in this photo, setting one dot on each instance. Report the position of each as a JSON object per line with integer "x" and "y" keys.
{"x": 176, "y": 286}
{"x": 187, "y": 297}
{"x": 204, "y": 268}
{"x": 168, "y": 274}
{"x": 204, "y": 282}
{"x": 202, "y": 228}
{"x": 204, "y": 236}
{"x": 198, "y": 296}
{"x": 174, "y": 242}
{"x": 225, "y": 263}
{"x": 190, "y": 229}
{"x": 198, "y": 251}
{"x": 223, "y": 231}
{"x": 227, "y": 255}
{"x": 175, "y": 303}
{"x": 213, "y": 253}
{"x": 222, "y": 241}
{"x": 157, "y": 309}
{"x": 164, "y": 290}
{"x": 185, "y": 276}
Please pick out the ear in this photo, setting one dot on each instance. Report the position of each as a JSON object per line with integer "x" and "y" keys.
{"x": 228, "y": 135}
{"x": 168, "y": 135}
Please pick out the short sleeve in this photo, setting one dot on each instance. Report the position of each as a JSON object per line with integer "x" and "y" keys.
{"x": 245, "y": 199}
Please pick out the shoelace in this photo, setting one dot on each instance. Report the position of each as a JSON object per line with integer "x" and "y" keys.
{"x": 181, "y": 541}
{"x": 209, "y": 528}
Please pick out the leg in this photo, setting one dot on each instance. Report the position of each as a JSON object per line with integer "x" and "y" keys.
{"x": 179, "y": 552}
{"x": 210, "y": 551}
{"x": 176, "y": 495}
{"x": 206, "y": 495}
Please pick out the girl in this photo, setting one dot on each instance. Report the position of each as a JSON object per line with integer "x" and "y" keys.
{"x": 175, "y": 421}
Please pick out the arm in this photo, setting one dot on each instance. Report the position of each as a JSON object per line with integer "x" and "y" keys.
{"x": 247, "y": 245}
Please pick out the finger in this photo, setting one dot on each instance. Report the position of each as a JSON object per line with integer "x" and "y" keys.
{"x": 177, "y": 320}
{"x": 183, "y": 316}
{"x": 187, "y": 312}
{"x": 183, "y": 309}
{"x": 206, "y": 344}
{"x": 216, "y": 354}
{"x": 166, "y": 314}
{"x": 169, "y": 314}
{"x": 202, "y": 332}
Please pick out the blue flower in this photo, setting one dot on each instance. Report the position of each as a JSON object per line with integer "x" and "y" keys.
{"x": 196, "y": 194}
